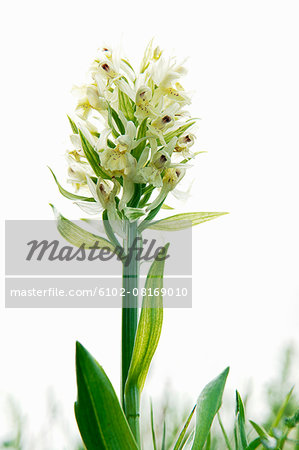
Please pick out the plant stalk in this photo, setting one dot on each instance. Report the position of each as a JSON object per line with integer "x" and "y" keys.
{"x": 129, "y": 304}
{"x": 132, "y": 412}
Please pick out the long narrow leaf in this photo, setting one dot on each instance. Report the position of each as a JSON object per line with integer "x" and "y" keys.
{"x": 225, "y": 436}
{"x": 182, "y": 434}
{"x": 126, "y": 105}
{"x": 267, "y": 441}
{"x": 73, "y": 126}
{"x": 149, "y": 326}
{"x": 163, "y": 444}
{"x": 184, "y": 220}
{"x": 92, "y": 157}
{"x": 281, "y": 410}
{"x": 77, "y": 236}
{"x": 68, "y": 194}
{"x": 153, "y": 428}
{"x": 178, "y": 132}
{"x": 141, "y": 133}
{"x": 99, "y": 415}
{"x": 240, "y": 416}
{"x": 208, "y": 404}
{"x": 254, "y": 444}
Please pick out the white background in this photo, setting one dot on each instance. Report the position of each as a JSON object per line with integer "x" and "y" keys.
{"x": 243, "y": 67}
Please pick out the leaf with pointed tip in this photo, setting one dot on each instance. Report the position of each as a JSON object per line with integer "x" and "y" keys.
{"x": 141, "y": 133}
{"x": 113, "y": 117}
{"x": 100, "y": 418}
{"x": 281, "y": 410}
{"x": 184, "y": 220}
{"x": 68, "y": 194}
{"x": 77, "y": 236}
{"x": 164, "y": 206}
{"x": 126, "y": 105}
{"x": 93, "y": 157}
{"x": 180, "y": 439}
{"x": 149, "y": 327}
{"x": 178, "y": 132}
{"x": 73, "y": 126}
{"x": 153, "y": 428}
{"x": 240, "y": 417}
{"x": 208, "y": 404}
{"x": 254, "y": 444}
{"x": 267, "y": 441}
{"x": 163, "y": 444}
{"x": 133, "y": 214}
{"x": 225, "y": 436}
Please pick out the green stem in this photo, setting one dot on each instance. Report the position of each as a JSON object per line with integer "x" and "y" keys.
{"x": 130, "y": 302}
{"x": 132, "y": 412}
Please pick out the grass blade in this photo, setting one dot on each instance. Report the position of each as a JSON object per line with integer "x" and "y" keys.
{"x": 163, "y": 445}
{"x": 184, "y": 430}
{"x": 267, "y": 441}
{"x": 153, "y": 428}
{"x": 240, "y": 417}
{"x": 281, "y": 410}
{"x": 229, "y": 447}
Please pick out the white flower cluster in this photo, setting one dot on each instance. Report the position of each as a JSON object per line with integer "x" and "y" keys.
{"x": 131, "y": 134}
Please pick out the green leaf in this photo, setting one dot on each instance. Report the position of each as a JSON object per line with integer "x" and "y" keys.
{"x": 92, "y": 157}
{"x": 146, "y": 196}
{"x": 184, "y": 220}
{"x": 126, "y": 105}
{"x": 281, "y": 410}
{"x": 208, "y": 443}
{"x": 229, "y": 447}
{"x": 240, "y": 417}
{"x": 73, "y": 125}
{"x": 149, "y": 326}
{"x": 178, "y": 132}
{"x": 163, "y": 444}
{"x": 181, "y": 437}
{"x": 133, "y": 214}
{"x": 254, "y": 444}
{"x": 207, "y": 406}
{"x": 267, "y": 441}
{"x": 141, "y": 133}
{"x": 99, "y": 415}
{"x": 77, "y": 236}
{"x": 68, "y": 194}
{"x": 153, "y": 428}
{"x": 113, "y": 116}
{"x": 164, "y": 206}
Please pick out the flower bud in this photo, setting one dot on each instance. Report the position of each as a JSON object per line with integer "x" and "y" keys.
{"x": 157, "y": 53}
